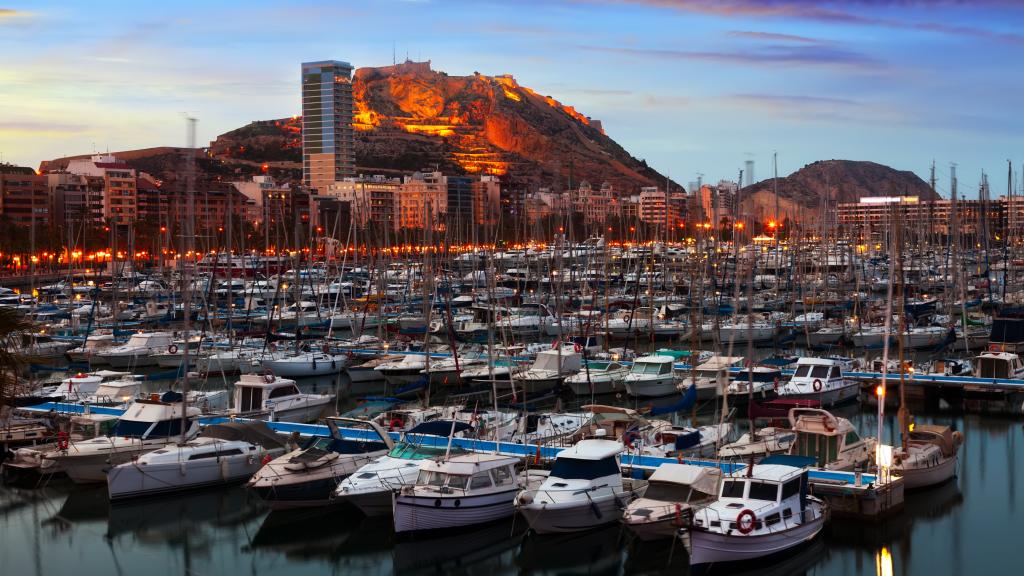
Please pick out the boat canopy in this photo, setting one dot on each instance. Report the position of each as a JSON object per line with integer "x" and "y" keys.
{"x": 702, "y": 478}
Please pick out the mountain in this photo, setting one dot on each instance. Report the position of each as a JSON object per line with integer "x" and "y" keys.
{"x": 802, "y": 193}
{"x": 409, "y": 117}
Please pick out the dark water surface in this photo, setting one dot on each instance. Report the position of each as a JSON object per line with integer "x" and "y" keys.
{"x": 969, "y": 526}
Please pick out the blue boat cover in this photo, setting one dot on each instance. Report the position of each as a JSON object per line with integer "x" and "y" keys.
{"x": 439, "y": 428}
{"x": 789, "y": 460}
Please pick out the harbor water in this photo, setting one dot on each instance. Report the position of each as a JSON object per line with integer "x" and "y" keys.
{"x": 967, "y": 526}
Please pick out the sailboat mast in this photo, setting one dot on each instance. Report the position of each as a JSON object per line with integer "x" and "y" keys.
{"x": 186, "y": 300}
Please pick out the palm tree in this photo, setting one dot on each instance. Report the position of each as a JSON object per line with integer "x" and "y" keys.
{"x": 12, "y": 325}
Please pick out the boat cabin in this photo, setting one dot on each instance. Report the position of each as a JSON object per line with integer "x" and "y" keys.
{"x": 254, "y": 391}
{"x": 468, "y": 473}
{"x": 998, "y": 365}
{"x": 652, "y": 366}
{"x": 832, "y": 442}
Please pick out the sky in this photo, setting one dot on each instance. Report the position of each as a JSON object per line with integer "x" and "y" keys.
{"x": 691, "y": 86}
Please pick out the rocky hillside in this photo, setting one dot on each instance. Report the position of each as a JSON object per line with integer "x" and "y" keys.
{"x": 409, "y": 117}
{"x": 802, "y": 193}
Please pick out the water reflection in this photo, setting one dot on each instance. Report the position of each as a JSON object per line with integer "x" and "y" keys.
{"x": 968, "y": 525}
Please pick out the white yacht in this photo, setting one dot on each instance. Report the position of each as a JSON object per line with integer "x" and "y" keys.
{"x": 763, "y": 442}
{"x": 584, "y": 490}
{"x": 820, "y": 379}
{"x": 549, "y": 369}
{"x": 268, "y": 394}
{"x": 598, "y": 377}
{"x": 651, "y": 376}
{"x": 711, "y": 376}
{"x": 996, "y": 364}
{"x": 223, "y": 454}
{"x": 371, "y": 487}
{"x": 462, "y": 490}
{"x": 673, "y": 492}
{"x": 759, "y": 512}
{"x": 403, "y": 371}
{"x": 307, "y": 476}
{"x": 81, "y": 385}
{"x": 306, "y": 364}
{"x": 139, "y": 350}
{"x": 89, "y": 350}
{"x": 148, "y": 424}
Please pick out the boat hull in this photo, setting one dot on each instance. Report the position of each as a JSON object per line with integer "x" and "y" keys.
{"x": 917, "y": 478}
{"x": 132, "y": 481}
{"x": 830, "y": 397}
{"x": 414, "y": 513}
{"x": 713, "y": 547}
{"x": 554, "y": 518}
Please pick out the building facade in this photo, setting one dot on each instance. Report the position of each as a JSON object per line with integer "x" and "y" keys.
{"x": 24, "y": 198}
{"x": 328, "y": 143}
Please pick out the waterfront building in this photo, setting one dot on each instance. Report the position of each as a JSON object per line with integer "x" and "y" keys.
{"x": 75, "y": 200}
{"x": 422, "y": 193}
{"x": 23, "y": 196}
{"x": 328, "y": 143}
{"x": 120, "y": 204}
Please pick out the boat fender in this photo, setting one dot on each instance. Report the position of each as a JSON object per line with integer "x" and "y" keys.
{"x": 775, "y": 384}
{"x": 458, "y": 503}
{"x": 181, "y": 468}
{"x": 679, "y": 514}
{"x": 225, "y": 469}
{"x": 958, "y": 437}
{"x": 266, "y": 460}
{"x": 817, "y": 384}
{"x": 172, "y": 349}
{"x": 746, "y": 527}
{"x": 536, "y": 457}
{"x": 577, "y": 348}
{"x": 268, "y": 375}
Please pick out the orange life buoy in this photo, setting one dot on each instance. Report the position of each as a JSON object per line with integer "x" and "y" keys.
{"x": 746, "y": 527}
{"x": 817, "y": 384}
{"x": 172, "y": 349}
{"x": 395, "y": 423}
{"x": 268, "y": 375}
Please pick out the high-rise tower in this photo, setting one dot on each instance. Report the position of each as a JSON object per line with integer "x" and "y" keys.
{"x": 328, "y": 144}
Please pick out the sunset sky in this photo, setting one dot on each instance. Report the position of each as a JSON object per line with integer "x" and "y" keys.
{"x": 691, "y": 86}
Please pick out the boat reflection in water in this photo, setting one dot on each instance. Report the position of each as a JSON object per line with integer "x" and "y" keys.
{"x": 486, "y": 549}
{"x": 172, "y": 520}
{"x": 339, "y": 536}
{"x": 594, "y": 552}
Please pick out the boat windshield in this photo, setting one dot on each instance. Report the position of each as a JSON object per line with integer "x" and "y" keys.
{"x": 819, "y": 372}
{"x": 824, "y": 449}
{"x": 733, "y": 488}
{"x": 993, "y": 368}
{"x": 649, "y": 368}
{"x": 763, "y": 491}
{"x": 405, "y": 451}
{"x": 579, "y": 469}
{"x": 668, "y": 491}
{"x": 802, "y": 371}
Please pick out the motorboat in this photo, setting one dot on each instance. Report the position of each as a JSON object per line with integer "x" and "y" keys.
{"x": 673, "y": 492}
{"x": 307, "y": 476}
{"x": 762, "y": 442}
{"x": 304, "y": 364}
{"x": 711, "y": 376}
{"x": 147, "y": 424}
{"x": 549, "y": 369}
{"x": 998, "y": 364}
{"x": 403, "y": 371}
{"x": 222, "y": 454}
{"x": 448, "y": 371}
{"x": 598, "y": 377}
{"x": 757, "y": 382}
{"x": 269, "y": 394}
{"x": 28, "y": 462}
{"x": 760, "y": 511}
{"x": 585, "y": 489}
{"x": 367, "y": 371}
{"x": 831, "y": 441}
{"x": 545, "y": 428}
{"x": 651, "y": 376}
{"x": 81, "y": 385}
{"x": 461, "y": 490}
{"x": 370, "y": 488}
{"x": 89, "y": 350}
{"x": 930, "y": 456}
{"x": 820, "y": 379}
{"x": 139, "y": 350}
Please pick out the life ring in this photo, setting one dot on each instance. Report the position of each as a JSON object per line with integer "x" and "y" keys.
{"x": 63, "y": 440}
{"x": 395, "y": 423}
{"x": 627, "y": 318}
{"x": 268, "y": 375}
{"x": 172, "y": 349}
{"x": 817, "y": 384}
{"x": 745, "y": 527}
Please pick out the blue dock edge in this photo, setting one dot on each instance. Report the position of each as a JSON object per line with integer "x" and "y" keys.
{"x": 509, "y": 448}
